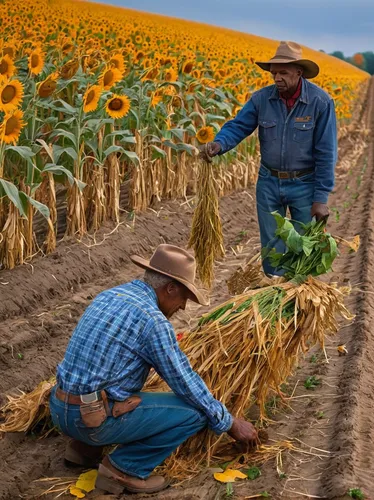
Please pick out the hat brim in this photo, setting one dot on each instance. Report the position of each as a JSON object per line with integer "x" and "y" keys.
{"x": 311, "y": 69}
{"x": 198, "y": 296}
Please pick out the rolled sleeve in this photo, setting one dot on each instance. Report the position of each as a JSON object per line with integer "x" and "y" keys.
{"x": 164, "y": 354}
{"x": 325, "y": 153}
{"x": 243, "y": 125}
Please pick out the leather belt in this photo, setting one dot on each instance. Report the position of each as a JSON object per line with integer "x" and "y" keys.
{"x": 73, "y": 399}
{"x": 288, "y": 174}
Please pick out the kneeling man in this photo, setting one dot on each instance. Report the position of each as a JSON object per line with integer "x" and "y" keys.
{"x": 97, "y": 401}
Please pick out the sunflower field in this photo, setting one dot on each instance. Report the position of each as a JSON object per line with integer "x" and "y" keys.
{"x": 94, "y": 97}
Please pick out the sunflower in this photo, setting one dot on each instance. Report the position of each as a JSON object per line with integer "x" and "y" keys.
{"x": 151, "y": 75}
{"x": 109, "y": 77}
{"x": 7, "y": 68}
{"x": 91, "y": 98}
{"x": 118, "y": 106}
{"x": 205, "y": 134}
{"x": 117, "y": 61}
{"x": 171, "y": 75}
{"x": 156, "y": 98}
{"x": 69, "y": 69}
{"x": 11, "y": 94}
{"x": 36, "y": 61}
{"x": 11, "y": 127}
{"x": 47, "y": 86}
{"x": 188, "y": 67}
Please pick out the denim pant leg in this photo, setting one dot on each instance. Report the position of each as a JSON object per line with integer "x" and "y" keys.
{"x": 146, "y": 436}
{"x": 268, "y": 196}
{"x": 299, "y": 197}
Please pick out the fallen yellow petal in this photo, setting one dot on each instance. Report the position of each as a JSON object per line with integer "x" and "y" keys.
{"x": 86, "y": 481}
{"x": 229, "y": 476}
{"x": 342, "y": 349}
{"x": 76, "y": 492}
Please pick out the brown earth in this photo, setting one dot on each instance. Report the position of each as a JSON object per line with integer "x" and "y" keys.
{"x": 41, "y": 303}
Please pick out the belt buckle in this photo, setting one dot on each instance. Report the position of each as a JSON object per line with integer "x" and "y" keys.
{"x": 89, "y": 398}
{"x": 283, "y": 175}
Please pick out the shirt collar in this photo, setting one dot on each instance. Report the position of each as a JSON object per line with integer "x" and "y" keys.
{"x": 303, "y": 95}
{"x": 148, "y": 289}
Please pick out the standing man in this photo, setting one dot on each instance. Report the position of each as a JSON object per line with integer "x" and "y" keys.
{"x": 298, "y": 143}
{"x": 122, "y": 334}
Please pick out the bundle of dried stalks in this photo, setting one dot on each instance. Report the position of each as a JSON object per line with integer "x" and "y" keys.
{"x": 248, "y": 346}
{"x": 206, "y": 234}
{"x": 22, "y": 413}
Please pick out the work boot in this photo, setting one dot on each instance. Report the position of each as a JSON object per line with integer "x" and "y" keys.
{"x": 114, "y": 481}
{"x": 78, "y": 453}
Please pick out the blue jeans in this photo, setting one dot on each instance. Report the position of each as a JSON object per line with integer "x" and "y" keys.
{"x": 146, "y": 435}
{"x": 275, "y": 194}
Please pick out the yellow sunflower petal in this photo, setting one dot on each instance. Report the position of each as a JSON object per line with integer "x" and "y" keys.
{"x": 229, "y": 476}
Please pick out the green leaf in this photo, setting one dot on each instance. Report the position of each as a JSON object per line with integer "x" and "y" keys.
{"x": 12, "y": 193}
{"x": 58, "y": 132}
{"x": 59, "y": 170}
{"x": 294, "y": 241}
{"x": 132, "y": 156}
{"x": 67, "y": 107}
{"x": 177, "y": 132}
{"x": 307, "y": 244}
{"x": 253, "y": 473}
{"x": 43, "y": 209}
{"x": 114, "y": 149}
{"x": 158, "y": 152}
{"x": 24, "y": 151}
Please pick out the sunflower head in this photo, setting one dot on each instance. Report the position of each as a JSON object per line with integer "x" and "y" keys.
{"x": 117, "y": 61}
{"x": 11, "y": 127}
{"x": 69, "y": 69}
{"x": 36, "y": 61}
{"x": 47, "y": 86}
{"x": 11, "y": 94}
{"x": 109, "y": 77}
{"x": 7, "y": 68}
{"x": 91, "y": 98}
{"x": 187, "y": 67}
{"x": 171, "y": 75}
{"x": 151, "y": 75}
{"x": 205, "y": 134}
{"x": 118, "y": 106}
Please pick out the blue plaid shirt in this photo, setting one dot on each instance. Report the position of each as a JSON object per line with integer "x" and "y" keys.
{"x": 121, "y": 335}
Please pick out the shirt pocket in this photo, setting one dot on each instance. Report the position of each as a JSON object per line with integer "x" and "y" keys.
{"x": 267, "y": 130}
{"x": 303, "y": 132}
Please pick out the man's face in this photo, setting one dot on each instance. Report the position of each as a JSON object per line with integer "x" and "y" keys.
{"x": 175, "y": 298}
{"x": 286, "y": 77}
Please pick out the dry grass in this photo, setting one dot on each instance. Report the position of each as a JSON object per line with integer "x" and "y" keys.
{"x": 206, "y": 234}
{"x": 22, "y": 413}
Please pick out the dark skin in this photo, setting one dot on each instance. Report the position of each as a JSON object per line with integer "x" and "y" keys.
{"x": 173, "y": 297}
{"x": 286, "y": 78}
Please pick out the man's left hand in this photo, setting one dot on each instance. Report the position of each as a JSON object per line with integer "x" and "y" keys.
{"x": 320, "y": 211}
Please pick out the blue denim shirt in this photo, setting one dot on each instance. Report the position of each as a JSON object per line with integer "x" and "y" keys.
{"x": 306, "y": 137}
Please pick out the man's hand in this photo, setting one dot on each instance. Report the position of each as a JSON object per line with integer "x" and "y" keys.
{"x": 244, "y": 432}
{"x": 209, "y": 150}
{"x": 320, "y": 211}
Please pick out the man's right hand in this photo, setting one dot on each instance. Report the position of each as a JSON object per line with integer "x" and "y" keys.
{"x": 244, "y": 432}
{"x": 209, "y": 150}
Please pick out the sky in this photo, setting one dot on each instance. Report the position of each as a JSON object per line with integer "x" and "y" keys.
{"x": 330, "y": 25}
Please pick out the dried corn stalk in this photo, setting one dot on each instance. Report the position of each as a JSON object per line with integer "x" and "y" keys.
{"x": 206, "y": 234}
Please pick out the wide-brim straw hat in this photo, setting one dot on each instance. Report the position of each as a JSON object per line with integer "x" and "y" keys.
{"x": 291, "y": 52}
{"x": 176, "y": 263}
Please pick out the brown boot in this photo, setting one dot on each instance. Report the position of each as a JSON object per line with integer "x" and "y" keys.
{"x": 78, "y": 453}
{"x": 114, "y": 481}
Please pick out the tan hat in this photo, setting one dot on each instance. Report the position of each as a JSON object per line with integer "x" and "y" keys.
{"x": 176, "y": 263}
{"x": 290, "y": 52}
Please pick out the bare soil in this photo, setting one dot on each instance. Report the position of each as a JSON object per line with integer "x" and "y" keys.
{"x": 42, "y": 302}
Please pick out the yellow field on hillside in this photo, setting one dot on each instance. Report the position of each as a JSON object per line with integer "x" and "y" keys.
{"x": 92, "y": 96}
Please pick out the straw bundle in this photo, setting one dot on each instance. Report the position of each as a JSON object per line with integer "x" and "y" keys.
{"x": 24, "y": 412}
{"x": 206, "y": 234}
{"x": 248, "y": 346}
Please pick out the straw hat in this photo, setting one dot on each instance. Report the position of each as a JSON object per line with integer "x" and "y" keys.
{"x": 290, "y": 52}
{"x": 176, "y": 263}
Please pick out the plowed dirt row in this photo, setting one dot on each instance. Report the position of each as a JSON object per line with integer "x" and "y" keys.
{"x": 41, "y": 304}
